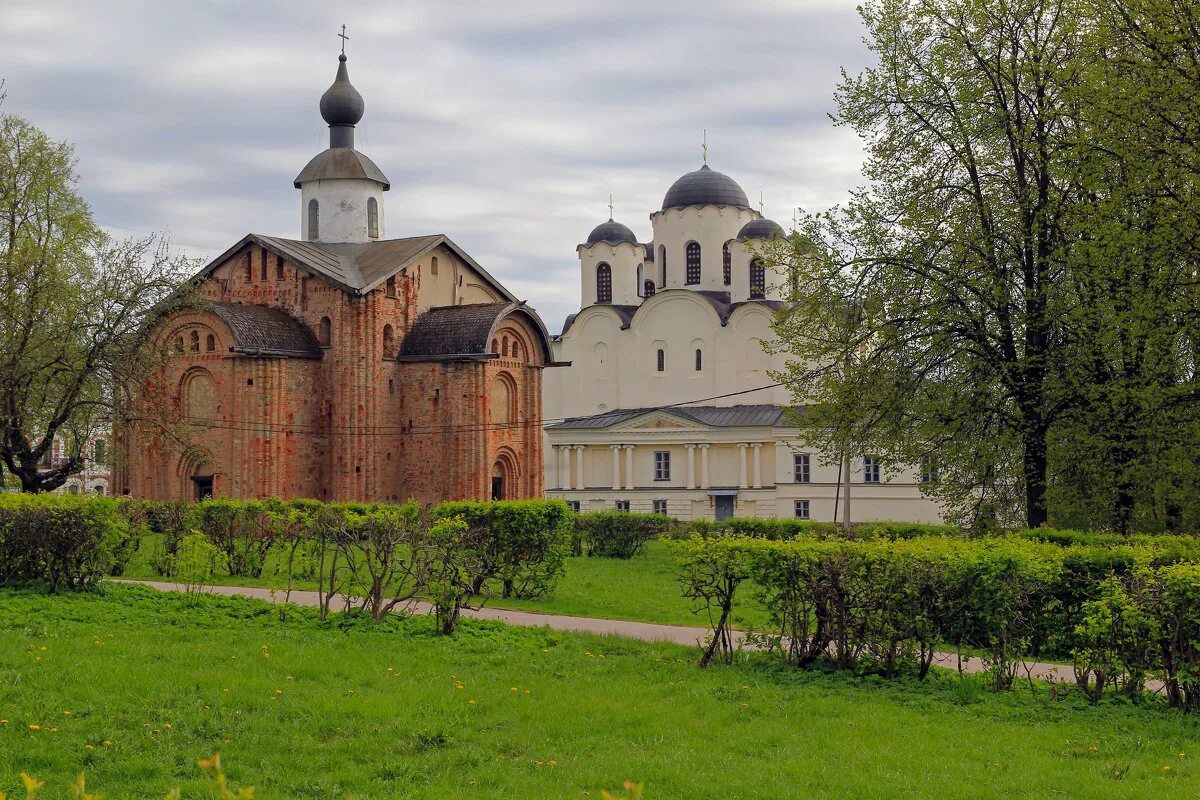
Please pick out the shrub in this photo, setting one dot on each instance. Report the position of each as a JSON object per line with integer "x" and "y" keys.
{"x": 617, "y": 534}
{"x": 63, "y": 541}
{"x": 243, "y": 530}
{"x": 196, "y": 561}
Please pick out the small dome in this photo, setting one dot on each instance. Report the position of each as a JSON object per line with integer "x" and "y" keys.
{"x": 342, "y": 104}
{"x": 611, "y": 232}
{"x": 705, "y": 187}
{"x": 761, "y": 229}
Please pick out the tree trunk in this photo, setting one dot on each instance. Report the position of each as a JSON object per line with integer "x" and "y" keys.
{"x": 1035, "y": 477}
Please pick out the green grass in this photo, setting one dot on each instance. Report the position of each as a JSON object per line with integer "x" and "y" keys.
{"x": 642, "y": 589}
{"x": 374, "y": 711}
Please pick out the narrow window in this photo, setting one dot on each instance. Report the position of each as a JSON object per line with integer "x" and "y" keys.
{"x": 304, "y": 293}
{"x": 279, "y": 271}
{"x": 100, "y": 452}
{"x": 504, "y": 347}
{"x": 662, "y": 265}
{"x": 516, "y": 350}
{"x": 178, "y": 344}
{"x": 496, "y": 346}
{"x": 693, "y": 263}
{"x": 314, "y": 220}
{"x": 758, "y": 280}
{"x": 802, "y": 511}
{"x": 727, "y": 264}
{"x": 210, "y": 343}
{"x": 263, "y": 265}
{"x": 872, "y": 472}
{"x": 648, "y": 289}
{"x": 433, "y": 266}
{"x": 194, "y": 342}
{"x": 801, "y": 467}
{"x": 660, "y": 507}
{"x": 249, "y": 267}
{"x": 326, "y": 334}
{"x": 929, "y": 470}
{"x": 622, "y": 505}
{"x": 640, "y": 281}
{"x": 372, "y": 218}
{"x": 662, "y": 361}
{"x": 604, "y": 284}
{"x": 390, "y": 289}
{"x": 699, "y": 360}
{"x": 662, "y": 465}
{"x": 389, "y": 342}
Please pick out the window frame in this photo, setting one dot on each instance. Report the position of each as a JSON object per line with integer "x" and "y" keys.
{"x": 758, "y": 280}
{"x": 662, "y": 465}
{"x": 314, "y": 220}
{"x": 801, "y": 467}
{"x": 692, "y": 264}
{"x": 621, "y": 505}
{"x": 660, "y": 506}
{"x": 872, "y": 470}
{"x": 726, "y": 264}
{"x": 661, "y": 362}
{"x": 802, "y": 509}
{"x": 604, "y": 287}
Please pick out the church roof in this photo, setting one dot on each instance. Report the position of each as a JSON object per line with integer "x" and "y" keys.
{"x": 464, "y": 331}
{"x": 341, "y": 162}
{"x": 713, "y": 416}
{"x": 260, "y": 330}
{"x": 705, "y": 187}
{"x": 357, "y": 268}
{"x": 720, "y": 301}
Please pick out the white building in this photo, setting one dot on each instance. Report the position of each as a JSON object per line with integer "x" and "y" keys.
{"x": 94, "y": 476}
{"x": 668, "y": 400}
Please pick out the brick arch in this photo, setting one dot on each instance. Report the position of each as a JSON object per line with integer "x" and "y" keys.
{"x": 504, "y": 400}
{"x": 506, "y": 466}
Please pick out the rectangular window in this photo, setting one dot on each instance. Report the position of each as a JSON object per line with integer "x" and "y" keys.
{"x": 660, "y": 506}
{"x": 263, "y": 270}
{"x": 622, "y": 505}
{"x": 662, "y": 465}
{"x": 802, "y": 511}
{"x": 390, "y": 290}
{"x": 573, "y": 505}
{"x": 801, "y": 468}
{"x": 872, "y": 472}
{"x": 280, "y": 273}
{"x": 929, "y": 470}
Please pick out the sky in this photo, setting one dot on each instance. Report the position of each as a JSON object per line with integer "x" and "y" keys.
{"x": 504, "y": 125}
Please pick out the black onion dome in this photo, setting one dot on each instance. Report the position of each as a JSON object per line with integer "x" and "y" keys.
{"x": 761, "y": 229}
{"x": 705, "y": 187}
{"x": 342, "y": 104}
{"x": 611, "y": 232}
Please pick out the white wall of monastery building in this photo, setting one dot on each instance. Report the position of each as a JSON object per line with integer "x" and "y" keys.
{"x": 668, "y": 403}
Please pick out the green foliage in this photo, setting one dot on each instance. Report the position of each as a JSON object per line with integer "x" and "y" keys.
{"x": 196, "y": 561}
{"x": 65, "y": 542}
{"x": 617, "y": 534}
{"x": 790, "y": 528}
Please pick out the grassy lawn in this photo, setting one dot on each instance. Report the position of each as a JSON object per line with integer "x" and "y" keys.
{"x": 154, "y": 682}
{"x": 643, "y": 589}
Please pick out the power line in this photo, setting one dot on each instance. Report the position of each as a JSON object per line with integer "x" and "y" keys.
{"x": 254, "y": 426}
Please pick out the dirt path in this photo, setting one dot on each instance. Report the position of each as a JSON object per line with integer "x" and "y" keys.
{"x": 645, "y": 631}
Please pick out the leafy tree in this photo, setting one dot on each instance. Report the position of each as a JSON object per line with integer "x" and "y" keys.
{"x": 74, "y": 306}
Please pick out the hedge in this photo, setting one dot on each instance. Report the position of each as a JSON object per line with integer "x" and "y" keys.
{"x": 616, "y": 534}
{"x": 883, "y": 605}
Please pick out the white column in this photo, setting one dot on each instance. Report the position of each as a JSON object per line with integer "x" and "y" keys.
{"x": 564, "y": 466}
{"x": 616, "y": 466}
{"x": 628, "y": 466}
{"x": 704, "y": 484}
{"x": 742, "y": 482}
{"x": 757, "y": 464}
{"x": 691, "y": 465}
{"x": 579, "y": 483}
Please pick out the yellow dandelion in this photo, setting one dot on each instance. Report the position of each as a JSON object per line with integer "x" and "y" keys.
{"x": 167, "y": 725}
{"x": 470, "y": 702}
{"x": 66, "y": 713}
{"x": 513, "y": 689}
{"x": 545, "y": 649}
{"x": 1166, "y": 767}
{"x": 37, "y": 658}
{"x": 42, "y": 648}
{"x": 227, "y": 741}
{"x": 553, "y": 762}
{"x": 34, "y": 727}
{"x": 744, "y": 705}
{"x": 390, "y": 669}
{"x": 156, "y": 730}
{"x": 53, "y": 729}
{"x": 526, "y": 691}
{"x": 3, "y": 722}
{"x": 88, "y": 747}
{"x": 108, "y": 742}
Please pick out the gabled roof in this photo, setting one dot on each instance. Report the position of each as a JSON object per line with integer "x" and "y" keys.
{"x": 357, "y": 268}
{"x": 465, "y": 331}
{"x": 712, "y": 416}
{"x": 260, "y": 330}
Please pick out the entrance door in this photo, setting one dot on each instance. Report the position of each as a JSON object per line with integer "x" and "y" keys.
{"x": 724, "y": 507}
{"x": 498, "y": 487}
{"x": 204, "y": 487}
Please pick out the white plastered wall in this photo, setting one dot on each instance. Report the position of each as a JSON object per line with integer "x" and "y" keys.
{"x": 342, "y": 207}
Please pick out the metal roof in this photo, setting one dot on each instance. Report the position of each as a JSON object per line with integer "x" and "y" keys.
{"x": 341, "y": 162}
{"x": 705, "y": 187}
{"x": 761, "y": 229}
{"x": 712, "y": 416}
{"x": 464, "y": 331}
{"x": 611, "y": 232}
{"x": 261, "y": 330}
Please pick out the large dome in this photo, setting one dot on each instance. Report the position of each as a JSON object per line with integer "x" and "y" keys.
{"x": 761, "y": 229}
{"x": 705, "y": 187}
{"x": 611, "y": 232}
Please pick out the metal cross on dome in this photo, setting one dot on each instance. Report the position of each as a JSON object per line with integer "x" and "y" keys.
{"x": 610, "y": 208}
{"x": 344, "y": 39}
{"x": 704, "y": 145}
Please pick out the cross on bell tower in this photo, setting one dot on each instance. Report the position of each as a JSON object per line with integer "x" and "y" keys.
{"x": 344, "y": 39}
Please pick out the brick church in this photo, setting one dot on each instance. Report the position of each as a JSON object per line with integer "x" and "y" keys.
{"x": 343, "y": 365}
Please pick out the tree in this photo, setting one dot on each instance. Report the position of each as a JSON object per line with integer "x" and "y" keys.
{"x": 75, "y": 306}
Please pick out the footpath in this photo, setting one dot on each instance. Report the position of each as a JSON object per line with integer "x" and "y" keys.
{"x": 644, "y": 631}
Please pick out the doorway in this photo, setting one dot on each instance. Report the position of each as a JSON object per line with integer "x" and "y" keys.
{"x": 724, "y": 507}
{"x": 202, "y": 482}
{"x": 497, "y": 487}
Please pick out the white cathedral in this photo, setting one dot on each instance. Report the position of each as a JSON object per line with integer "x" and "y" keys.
{"x": 665, "y": 395}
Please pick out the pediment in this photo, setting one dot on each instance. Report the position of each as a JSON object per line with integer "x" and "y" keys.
{"x": 660, "y": 421}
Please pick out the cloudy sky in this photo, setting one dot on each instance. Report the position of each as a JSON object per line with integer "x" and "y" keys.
{"x": 505, "y": 125}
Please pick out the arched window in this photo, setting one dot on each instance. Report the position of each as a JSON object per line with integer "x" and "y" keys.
{"x": 199, "y": 398}
{"x": 210, "y": 343}
{"x": 100, "y": 452}
{"x": 325, "y": 335}
{"x": 390, "y": 287}
{"x": 279, "y": 272}
{"x": 314, "y": 220}
{"x": 758, "y": 280}
{"x": 178, "y": 344}
{"x": 604, "y": 284}
{"x": 194, "y": 341}
{"x": 372, "y": 218}
{"x": 249, "y": 267}
{"x": 648, "y": 289}
{"x": 727, "y": 264}
{"x": 389, "y": 341}
{"x": 699, "y": 359}
{"x": 662, "y": 360}
{"x": 496, "y": 346}
{"x": 639, "y": 279}
{"x": 662, "y": 265}
{"x": 516, "y": 350}
{"x": 693, "y": 263}
{"x": 433, "y": 266}
{"x": 501, "y": 401}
